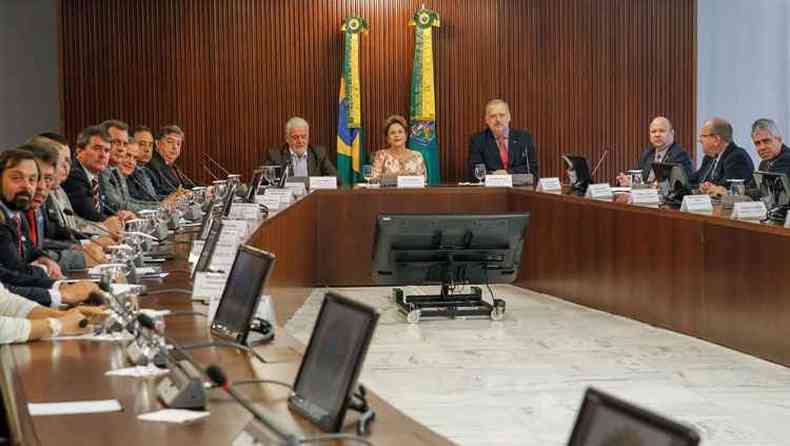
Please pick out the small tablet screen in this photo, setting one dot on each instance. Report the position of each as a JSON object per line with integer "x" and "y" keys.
{"x": 333, "y": 360}
{"x": 242, "y": 292}
{"x": 208, "y": 247}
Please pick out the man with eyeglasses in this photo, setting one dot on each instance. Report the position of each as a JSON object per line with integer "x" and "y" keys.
{"x": 723, "y": 160}
{"x": 83, "y": 185}
{"x": 168, "y": 177}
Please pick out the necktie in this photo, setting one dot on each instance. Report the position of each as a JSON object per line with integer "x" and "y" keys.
{"x": 712, "y": 169}
{"x": 33, "y": 225}
{"x": 95, "y": 194}
{"x": 18, "y": 222}
{"x": 652, "y": 176}
{"x": 501, "y": 143}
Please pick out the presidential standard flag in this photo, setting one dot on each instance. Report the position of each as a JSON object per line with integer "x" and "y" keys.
{"x": 422, "y": 113}
{"x": 350, "y": 154}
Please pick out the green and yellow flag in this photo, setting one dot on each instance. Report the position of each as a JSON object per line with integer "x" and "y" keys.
{"x": 350, "y": 153}
{"x": 422, "y": 114}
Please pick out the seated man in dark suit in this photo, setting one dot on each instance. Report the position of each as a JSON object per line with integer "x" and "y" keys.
{"x": 83, "y": 186}
{"x": 301, "y": 159}
{"x": 723, "y": 159}
{"x": 168, "y": 178}
{"x": 775, "y": 155}
{"x": 662, "y": 149}
{"x": 500, "y": 148}
{"x": 145, "y": 140}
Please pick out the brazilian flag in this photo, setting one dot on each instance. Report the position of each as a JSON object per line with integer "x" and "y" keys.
{"x": 422, "y": 113}
{"x": 350, "y": 153}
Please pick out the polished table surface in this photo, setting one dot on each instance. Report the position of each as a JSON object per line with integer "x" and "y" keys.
{"x": 705, "y": 276}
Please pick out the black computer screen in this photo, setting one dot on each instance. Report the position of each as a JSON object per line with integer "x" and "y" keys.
{"x": 604, "y": 420}
{"x": 209, "y": 245}
{"x": 255, "y": 183}
{"x": 334, "y": 357}
{"x": 242, "y": 292}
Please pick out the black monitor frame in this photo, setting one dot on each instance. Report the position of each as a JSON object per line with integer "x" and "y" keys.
{"x": 299, "y": 401}
{"x": 673, "y": 182}
{"x": 580, "y": 168}
{"x": 237, "y": 330}
{"x": 594, "y": 399}
{"x": 209, "y": 246}
{"x": 208, "y": 218}
{"x": 255, "y": 184}
{"x": 775, "y": 188}
{"x": 228, "y": 199}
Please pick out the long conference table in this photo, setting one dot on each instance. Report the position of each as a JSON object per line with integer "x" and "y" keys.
{"x": 705, "y": 276}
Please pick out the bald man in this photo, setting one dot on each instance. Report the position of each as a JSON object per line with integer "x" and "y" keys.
{"x": 723, "y": 160}
{"x": 662, "y": 149}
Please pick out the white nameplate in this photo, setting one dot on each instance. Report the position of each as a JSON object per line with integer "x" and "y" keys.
{"x": 600, "y": 191}
{"x": 297, "y": 189}
{"x": 284, "y": 195}
{"x": 327, "y": 183}
{"x": 698, "y": 204}
{"x": 245, "y": 211}
{"x": 240, "y": 226}
{"x": 550, "y": 185}
{"x": 499, "y": 180}
{"x": 272, "y": 203}
{"x": 265, "y": 309}
{"x": 223, "y": 257}
{"x": 194, "y": 251}
{"x": 645, "y": 197}
{"x": 208, "y": 286}
{"x": 749, "y": 211}
{"x": 411, "y": 181}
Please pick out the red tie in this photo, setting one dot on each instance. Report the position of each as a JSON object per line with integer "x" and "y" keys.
{"x": 33, "y": 226}
{"x": 501, "y": 142}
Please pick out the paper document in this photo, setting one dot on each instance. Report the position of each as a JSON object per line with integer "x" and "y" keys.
{"x": 74, "y": 407}
{"x": 138, "y": 372}
{"x": 179, "y": 416}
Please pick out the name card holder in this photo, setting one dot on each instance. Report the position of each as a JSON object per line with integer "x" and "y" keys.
{"x": 208, "y": 286}
{"x": 297, "y": 189}
{"x": 787, "y": 220}
{"x": 195, "y": 250}
{"x": 600, "y": 191}
{"x": 549, "y": 185}
{"x": 285, "y": 196}
{"x": 323, "y": 183}
{"x": 697, "y": 204}
{"x": 411, "y": 181}
{"x": 645, "y": 197}
{"x": 245, "y": 211}
{"x": 499, "y": 180}
{"x": 749, "y": 211}
{"x": 271, "y": 202}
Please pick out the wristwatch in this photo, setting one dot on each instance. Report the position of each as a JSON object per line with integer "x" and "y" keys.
{"x": 55, "y": 326}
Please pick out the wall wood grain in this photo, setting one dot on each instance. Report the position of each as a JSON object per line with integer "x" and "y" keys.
{"x": 581, "y": 75}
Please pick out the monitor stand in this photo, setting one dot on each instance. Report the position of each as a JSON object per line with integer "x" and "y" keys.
{"x": 447, "y": 304}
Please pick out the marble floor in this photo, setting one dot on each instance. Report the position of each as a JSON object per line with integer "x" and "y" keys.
{"x": 519, "y": 381}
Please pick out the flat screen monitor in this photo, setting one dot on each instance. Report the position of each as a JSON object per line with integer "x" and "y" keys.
{"x": 448, "y": 248}
{"x": 332, "y": 362}
{"x": 673, "y": 181}
{"x": 774, "y": 188}
{"x": 205, "y": 224}
{"x": 255, "y": 184}
{"x": 605, "y": 420}
{"x": 209, "y": 245}
{"x": 241, "y": 296}
{"x": 228, "y": 199}
{"x": 578, "y": 170}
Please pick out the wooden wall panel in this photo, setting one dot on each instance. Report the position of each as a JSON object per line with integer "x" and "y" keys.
{"x": 581, "y": 75}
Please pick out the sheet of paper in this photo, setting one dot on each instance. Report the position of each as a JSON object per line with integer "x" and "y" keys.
{"x": 138, "y": 372}
{"x": 178, "y": 416}
{"x": 74, "y": 407}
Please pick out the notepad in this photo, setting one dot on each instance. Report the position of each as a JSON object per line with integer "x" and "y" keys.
{"x": 74, "y": 407}
{"x": 178, "y": 416}
{"x": 138, "y": 372}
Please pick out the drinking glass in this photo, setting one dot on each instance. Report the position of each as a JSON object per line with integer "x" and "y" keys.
{"x": 367, "y": 173}
{"x": 480, "y": 172}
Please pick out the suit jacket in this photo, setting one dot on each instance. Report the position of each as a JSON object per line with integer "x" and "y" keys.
{"x": 15, "y": 269}
{"x": 116, "y": 189}
{"x": 58, "y": 242}
{"x": 522, "y": 153}
{"x": 318, "y": 164}
{"x": 675, "y": 154}
{"x": 141, "y": 186}
{"x": 167, "y": 178}
{"x": 78, "y": 189}
{"x": 734, "y": 163}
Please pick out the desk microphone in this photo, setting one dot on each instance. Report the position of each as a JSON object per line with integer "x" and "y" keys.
{"x": 210, "y": 173}
{"x": 90, "y": 223}
{"x": 217, "y": 376}
{"x": 597, "y": 165}
{"x": 215, "y": 163}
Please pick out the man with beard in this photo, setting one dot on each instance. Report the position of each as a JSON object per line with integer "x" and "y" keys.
{"x": 22, "y": 265}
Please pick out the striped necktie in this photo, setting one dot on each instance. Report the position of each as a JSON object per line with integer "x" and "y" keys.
{"x": 95, "y": 194}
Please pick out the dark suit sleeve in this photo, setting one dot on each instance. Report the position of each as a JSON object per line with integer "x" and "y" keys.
{"x": 325, "y": 164}
{"x": 684, "y": 159}
{"x": 532, "y": 156}
{"x": 78, "y": 190}
{"x": 37, "y": 295}
{"x": 9, "y": 253}
{"x": 16, "y": 278}
{"x": 739, "y": 165}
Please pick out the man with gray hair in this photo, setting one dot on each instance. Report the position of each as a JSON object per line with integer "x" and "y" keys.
{"x": 502, "y": 149}
{"x": 723, "y": 160}
{"x": 297, "y": 155}
{"x": 775, "y": 155}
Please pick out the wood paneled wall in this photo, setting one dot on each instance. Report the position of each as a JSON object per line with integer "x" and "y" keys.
{"x": 581, "y": 75}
